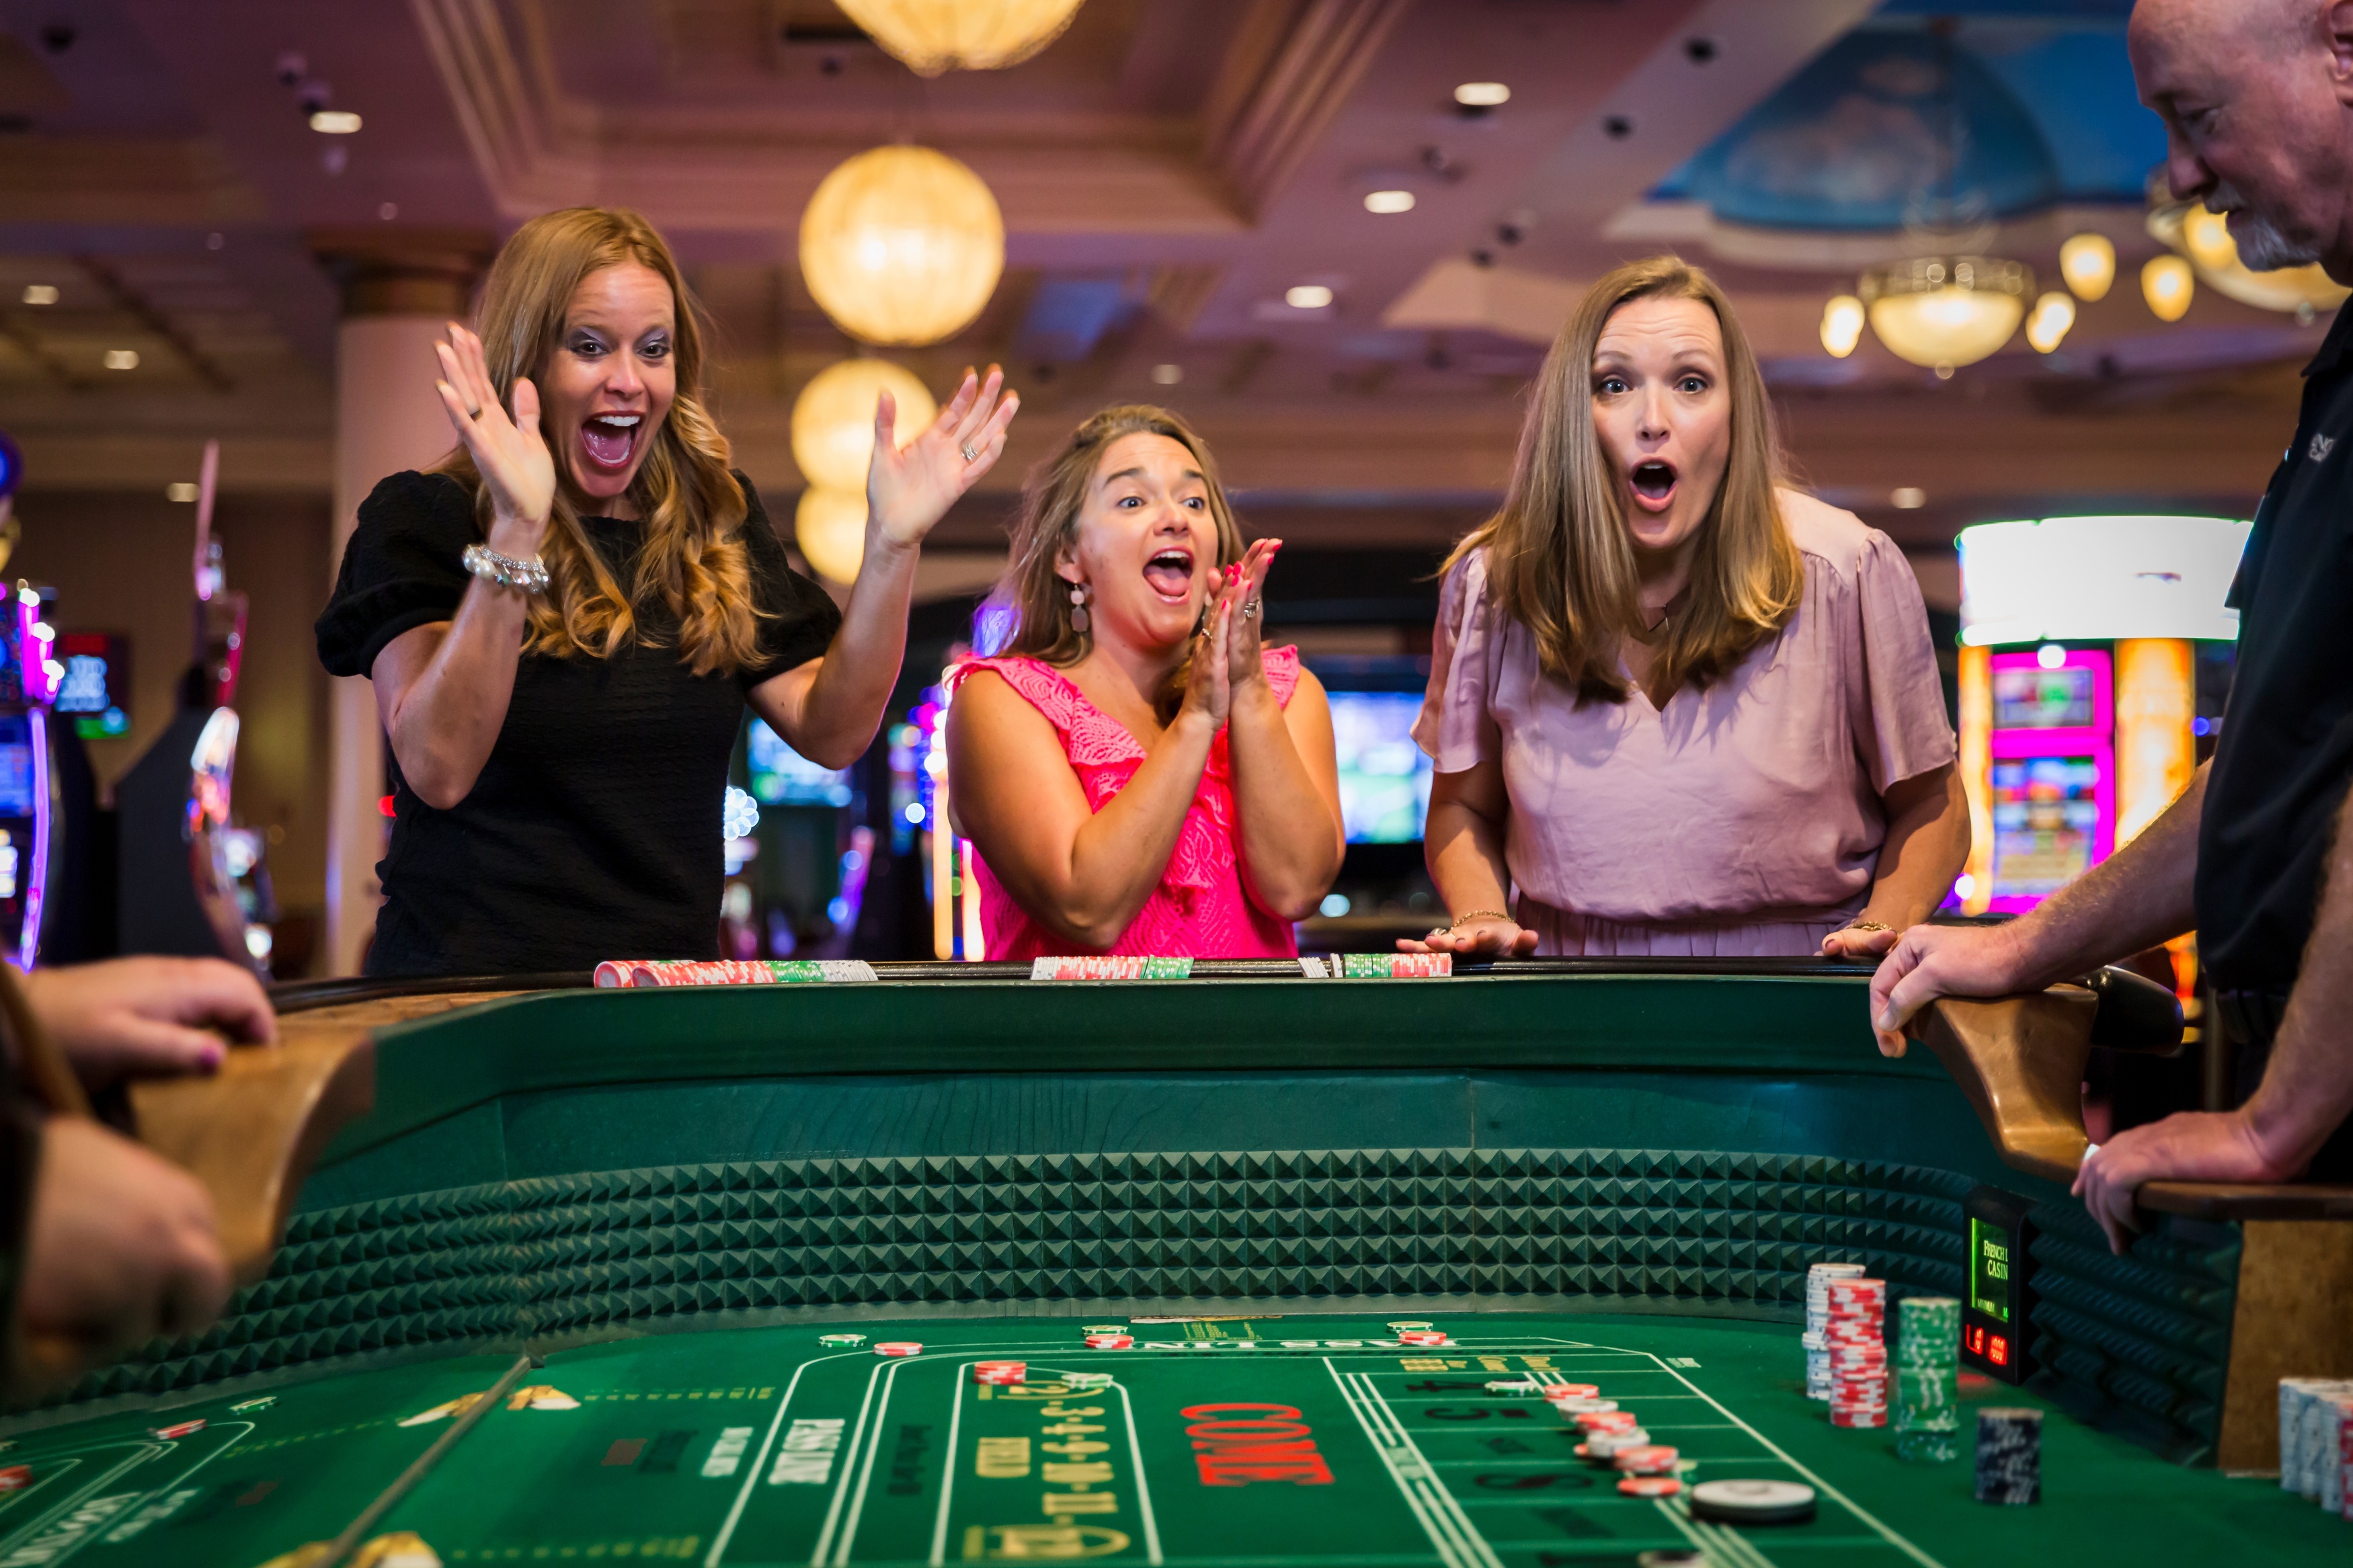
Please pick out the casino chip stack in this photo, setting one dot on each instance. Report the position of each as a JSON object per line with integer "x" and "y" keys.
{"x": 1818, "y": 1315}
{"x": 1856, "y": 1331}
{"x": 2009, "y": 1456}
{"x": 1927, "y": 1379}
{"x": 1000, "y": 1374}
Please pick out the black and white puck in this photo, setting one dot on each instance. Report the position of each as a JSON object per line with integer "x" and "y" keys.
{"x": 1752, "y": 1503}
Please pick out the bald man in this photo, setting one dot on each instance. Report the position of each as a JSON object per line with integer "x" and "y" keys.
{"x": 2257, "y": 101}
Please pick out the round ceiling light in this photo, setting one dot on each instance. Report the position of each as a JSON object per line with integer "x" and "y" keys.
{"x": 1388, "y": 200}
{"x": 831, "y": 527}
{"x": 1308, "y": 296}
{"x": 2047, "y": 324}
{"x": 1483, "y": 95}
{"x": 934, "y": 36}
{"x": 2205, "y": 238}
{"x": 2088, "y": 263}
{"x": 1842, "y": 321}
{"x": 903, "y": 245}
{"x": 2168, "y": 284}
{"x": 833, "y": 419}
{"x": 1946, "y": 311}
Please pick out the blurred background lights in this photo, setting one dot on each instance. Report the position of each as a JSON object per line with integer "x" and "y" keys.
{"x": 1388, "y": 200}
{"x": 2088, "y": 263}
{"x": 1307, "y": 297}
{"x": 1842, "y": 321}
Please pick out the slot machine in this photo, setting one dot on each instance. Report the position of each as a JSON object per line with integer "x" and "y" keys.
{"x": 30, "y": 814}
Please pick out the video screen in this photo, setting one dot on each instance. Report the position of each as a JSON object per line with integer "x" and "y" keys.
{"x": 1384, "y": 775}
{"x": 2037, "y": 698}
{"x": 782, "y": 776}
{"x": 16, "y": 766}
{"x": 2046, "y": 815}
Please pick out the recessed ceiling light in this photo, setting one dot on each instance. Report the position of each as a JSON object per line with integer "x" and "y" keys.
{"x": 1482, "y": 94}
{"x": 123, "y": 359}
{"x": 1908, "y": 498}
{"x": 180, "y": 490}
{"x": 1307, "y": 297}
{"x": 387, "y": 210}
{"x": 40, "y": 293}
{"x": 1167, "y": 374}
{"x": 334, "y": 121}
{"x": 1388, "y": 200}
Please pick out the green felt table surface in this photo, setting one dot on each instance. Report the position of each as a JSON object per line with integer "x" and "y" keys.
{"x": 760, "y": 1445}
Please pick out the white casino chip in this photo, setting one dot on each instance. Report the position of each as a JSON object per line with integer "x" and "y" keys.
{"x": 1752, "y": 1503}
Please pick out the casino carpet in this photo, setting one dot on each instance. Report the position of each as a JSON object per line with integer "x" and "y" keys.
{"x": 763, "y": 1445}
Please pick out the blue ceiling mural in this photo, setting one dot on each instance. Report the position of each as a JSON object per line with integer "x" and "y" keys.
{"x": 1939, "y": 114}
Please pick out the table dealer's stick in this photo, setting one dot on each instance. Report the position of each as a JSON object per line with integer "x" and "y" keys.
{"x": 343, "y": 1545}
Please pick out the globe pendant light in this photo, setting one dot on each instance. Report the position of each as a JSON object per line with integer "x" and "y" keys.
{"x": 936, "y": 36}
{"x": 1946, "y": 311}
{"x": 901, "y": 246}
{"x": 2168, "y": 283}
{"x": 831, "y": 527}
{"x": 2088, "y": 262}
{"x": 833, "y": 419}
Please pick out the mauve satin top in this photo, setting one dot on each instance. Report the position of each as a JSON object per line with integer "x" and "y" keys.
{"x": 1744, "y": 817}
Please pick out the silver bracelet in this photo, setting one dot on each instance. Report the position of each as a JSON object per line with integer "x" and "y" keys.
{"x": 506, "y": 571}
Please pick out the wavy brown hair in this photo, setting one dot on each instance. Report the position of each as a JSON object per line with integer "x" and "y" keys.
{"x": 693, "y": 561}
{"x": 1560, "y": 559}
{"x": 1052, "y": 500}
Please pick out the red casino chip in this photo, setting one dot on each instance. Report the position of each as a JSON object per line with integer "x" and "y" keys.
{"x": 1422, "y": 1337}
{"x": 1000, "y": 1371}
{"x": 896, "y": 1348}
{"x": 185, "y": 1429}
{"x": 1111, "y": 1342}
{"x": 1571, "y": 1391}
{"x": 15, "y": 1477}
{"x": 1653, "y": 1459}
{"x": 1649, "y": 1486}
{"x": 1604, "y": 1420}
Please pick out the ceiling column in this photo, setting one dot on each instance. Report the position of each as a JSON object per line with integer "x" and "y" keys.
{"x": 399, "y": 288}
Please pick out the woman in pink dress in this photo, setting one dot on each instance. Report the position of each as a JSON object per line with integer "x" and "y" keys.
{"x": 1136, "y": 775}
{"x": 1677, "y": 708}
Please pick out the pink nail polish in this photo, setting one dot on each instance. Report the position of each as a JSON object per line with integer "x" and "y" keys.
{"x": 211, "y": 1060}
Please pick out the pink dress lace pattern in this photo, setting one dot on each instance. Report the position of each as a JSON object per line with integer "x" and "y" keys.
{"x": 1201, "y": 909}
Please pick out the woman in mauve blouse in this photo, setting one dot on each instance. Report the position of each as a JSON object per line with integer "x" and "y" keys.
{"x": 1675, "y": 706}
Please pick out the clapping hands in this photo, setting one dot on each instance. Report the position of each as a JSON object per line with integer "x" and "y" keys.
{"x": 909, "y": 489}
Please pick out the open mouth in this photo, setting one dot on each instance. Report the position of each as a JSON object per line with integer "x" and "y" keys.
{"x": 1654, "y": 483}
{"x": 609, "y": 439}
{"x": 1170, "y": 575}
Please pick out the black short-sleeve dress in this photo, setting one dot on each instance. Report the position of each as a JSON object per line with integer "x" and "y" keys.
{"x": 594, "y": 831}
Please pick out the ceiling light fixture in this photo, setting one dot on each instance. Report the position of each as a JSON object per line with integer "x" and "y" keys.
{"x": 123, "y": 359}
{"x": 2088, "y": 263}
{"x": 831, "y": 527}
{"x": 2047, "y": 324}
{"x": 1307, "y": 297}
{"x": 1907, "y": 499}
{"x": 833, "y": 420}
{"x": 1842, "y": 321}
{"x": 901, "y": 245}
{"x": 1388, "y": 200}
{"x": 931, "y": 36}
{"x": 40, "y": 293}
{"x": 334, "y": 121}
{"x": 1946, "y": 311}
{"x": 2168, "y": 285}
{"x": 1483, "y": 95}
{"x": 1167, "y": 374}
{"x": 180, "y": 490}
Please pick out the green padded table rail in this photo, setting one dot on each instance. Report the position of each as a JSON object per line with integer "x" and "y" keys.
{"x": 550, "y": 1171}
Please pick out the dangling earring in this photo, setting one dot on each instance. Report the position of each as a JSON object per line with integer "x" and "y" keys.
{"x": 1080, "y": 619}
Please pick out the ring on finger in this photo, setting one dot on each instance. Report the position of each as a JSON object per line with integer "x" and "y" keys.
{"x": 969, "y": 455}
{"x": 1251, "y": 606}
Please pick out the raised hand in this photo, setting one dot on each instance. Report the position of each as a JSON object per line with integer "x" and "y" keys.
{"x": 1209, "y": 689}
{"x": 1243, "y": 579}
{"x": 509, "y": 452}
{"x": 909, "y": 489}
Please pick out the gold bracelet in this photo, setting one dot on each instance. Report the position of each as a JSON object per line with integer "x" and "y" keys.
{"x": 1478, "y": 915}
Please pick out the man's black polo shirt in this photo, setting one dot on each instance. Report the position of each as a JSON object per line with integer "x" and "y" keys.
{"x": 2286, "y": 749}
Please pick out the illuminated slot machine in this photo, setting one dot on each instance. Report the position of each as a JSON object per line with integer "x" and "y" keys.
{"x": 2052, "y": 783}
{"x": 31, "y": 803}
{"x": 191, "y": 879}
{"x": 2094, "y": 656}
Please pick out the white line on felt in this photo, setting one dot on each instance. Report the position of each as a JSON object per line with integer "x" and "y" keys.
{"x": 743, "y": 1493}
{"x": 849, "y": 1463}
{"x": 1856, "y": 1509}
{"x": 1142, "y": 1487}
{"x": 1375, "y": 1432}
{"x": 41, "y": 1522}
{"x": 866, "y": 1469}
{"x": 1425, "y": 1478}
{"x": 947, "y": 1476}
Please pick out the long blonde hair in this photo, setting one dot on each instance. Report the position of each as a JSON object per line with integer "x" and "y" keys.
{"x": 1559, "y": 558}
{"x": 694, "y": 560}
{"x": 1052, "y": 500}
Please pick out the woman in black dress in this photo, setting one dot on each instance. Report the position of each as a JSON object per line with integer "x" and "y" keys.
{"x": 564, "y": 617}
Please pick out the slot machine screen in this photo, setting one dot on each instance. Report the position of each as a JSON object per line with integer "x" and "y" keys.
{"x": 1384, "y": 774}
{"x": 2046, "y": 822}
{"x": 1997, "y": 1316}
